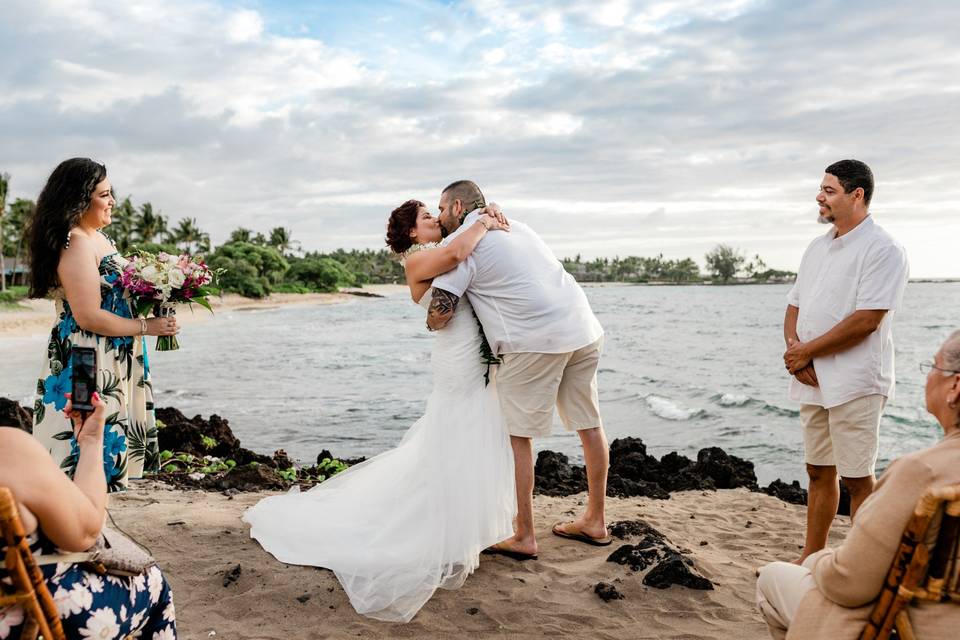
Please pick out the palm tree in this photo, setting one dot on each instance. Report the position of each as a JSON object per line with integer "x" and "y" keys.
{"x": 188, "y": 235}
{"x": 20, "y": 211}
{"x": 281, "y": 240}
{"x": 122, "y": 223}
{"x": 240, "y": 234}
{"x": 4, "y": 188}
{"x": 149, "y": 225}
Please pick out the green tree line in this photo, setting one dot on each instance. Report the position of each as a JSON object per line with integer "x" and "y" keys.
{"x": 256, "y": 264}
{"x": 724, "y": 265}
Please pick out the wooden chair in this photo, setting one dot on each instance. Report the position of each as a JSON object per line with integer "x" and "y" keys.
{"x": 918, "y": 574}
{"x": 30, "y": 590}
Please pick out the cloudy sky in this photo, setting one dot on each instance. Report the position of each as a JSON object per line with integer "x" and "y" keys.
{"x": 614, "y": 128}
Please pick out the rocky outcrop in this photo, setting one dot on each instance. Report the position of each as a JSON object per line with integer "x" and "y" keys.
{"x": 13, "y": 415}
{"x": 667, "y": 565}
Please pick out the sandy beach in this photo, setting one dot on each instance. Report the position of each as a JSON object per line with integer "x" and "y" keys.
{"x": 198, "y": 538}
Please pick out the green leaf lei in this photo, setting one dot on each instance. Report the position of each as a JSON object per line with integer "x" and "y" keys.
{"x": 486, "y": 353}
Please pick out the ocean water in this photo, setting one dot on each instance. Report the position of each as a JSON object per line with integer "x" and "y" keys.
{"x": 683, "y": 368}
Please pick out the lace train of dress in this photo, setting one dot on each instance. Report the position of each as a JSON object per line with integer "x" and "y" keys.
{"x": 396, "y": 527}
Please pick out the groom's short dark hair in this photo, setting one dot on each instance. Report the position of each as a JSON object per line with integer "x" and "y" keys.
{"x": 467, "y": 192}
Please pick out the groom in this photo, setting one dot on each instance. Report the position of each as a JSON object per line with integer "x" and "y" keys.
{"x": 538, "y": 320}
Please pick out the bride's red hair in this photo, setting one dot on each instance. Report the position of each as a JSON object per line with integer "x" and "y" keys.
{"x": 402, "y": 220}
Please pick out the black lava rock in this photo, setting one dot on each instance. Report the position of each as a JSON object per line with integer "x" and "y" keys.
{"x": 185, "y": 435}
{"x": 607, "y": 592}
{"x": 232, "y": 575}
{"x": 673, "y": 462}
{"x": 674, "y": 569}
{"x": 792, "y": 493}
{"x": 636, "y": 556}
{"x": 633, "y": 529}
{"x": 619, "y": 487}
{"x": 281, "y": 460}
{"x": 13, "y": 415}
{"x": 726, "y": 471}
{"x": 249, "y": 477}
{"x": 555, "y": 476}
{"x": 629, "y": 460}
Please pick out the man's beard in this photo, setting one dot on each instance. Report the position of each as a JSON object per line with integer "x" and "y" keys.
{"x": 826, "y": 218}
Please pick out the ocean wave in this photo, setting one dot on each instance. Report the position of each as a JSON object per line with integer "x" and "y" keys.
{"x": 732, "y": 399}
{"x": 670, "y": 410}
{"x": 919, "y": 422}
{"x": 780, "y": 411}
{"x": 177, "y": 393}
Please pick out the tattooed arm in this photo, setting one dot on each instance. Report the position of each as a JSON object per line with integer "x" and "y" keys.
{"x": 441, "y": 309}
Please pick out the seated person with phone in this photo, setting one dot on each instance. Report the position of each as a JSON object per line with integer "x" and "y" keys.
{"x": 61, "y": 515}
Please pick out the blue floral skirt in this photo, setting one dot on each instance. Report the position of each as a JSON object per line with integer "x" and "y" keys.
{"x": 103, "y": 607}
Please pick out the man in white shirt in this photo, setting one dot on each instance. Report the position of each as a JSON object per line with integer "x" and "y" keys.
{"x": 838, "y": 331}
{"x": 537, "y": 319}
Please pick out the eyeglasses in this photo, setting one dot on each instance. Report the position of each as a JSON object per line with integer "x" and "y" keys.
{"x": 926, "y": 367}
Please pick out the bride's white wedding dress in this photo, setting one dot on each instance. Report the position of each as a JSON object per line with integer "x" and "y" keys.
{"x": 396, "y": 527}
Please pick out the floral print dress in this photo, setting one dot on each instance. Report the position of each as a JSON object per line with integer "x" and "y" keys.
{"x": 94, "y": 606}
{"x": 123, "y": 380}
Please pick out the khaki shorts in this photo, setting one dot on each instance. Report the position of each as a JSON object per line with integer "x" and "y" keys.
{"x": 530, "y": 385}
{"x": 846, "y": 436}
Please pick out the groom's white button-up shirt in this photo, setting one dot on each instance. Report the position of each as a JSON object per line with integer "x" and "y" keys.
{"x": 526, "y": 300}
{"x": 862, "y": 269}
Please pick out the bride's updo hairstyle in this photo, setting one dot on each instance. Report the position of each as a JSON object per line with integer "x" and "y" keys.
{"x": 61, "y": 203}
{"x": 402, "y": 221}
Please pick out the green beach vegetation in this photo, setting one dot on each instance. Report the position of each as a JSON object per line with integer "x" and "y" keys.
{"x": 256, "y": 264}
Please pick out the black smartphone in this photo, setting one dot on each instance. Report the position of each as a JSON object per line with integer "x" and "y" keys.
{"x": 84, "y": 362}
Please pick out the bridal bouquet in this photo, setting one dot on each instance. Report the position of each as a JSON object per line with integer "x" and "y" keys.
{"x": 161, "y": 281}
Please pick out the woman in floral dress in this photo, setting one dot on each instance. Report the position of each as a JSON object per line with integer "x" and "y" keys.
{"x": 72, "y": 260}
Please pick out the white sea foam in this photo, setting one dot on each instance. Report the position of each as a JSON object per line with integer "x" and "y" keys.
{"x": 733, "y": 400}
{"x": 670, "y": 410}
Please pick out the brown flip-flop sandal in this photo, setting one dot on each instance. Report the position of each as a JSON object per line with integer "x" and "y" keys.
{"x": 582, "y": 537}
{"x": 513, "y": 555}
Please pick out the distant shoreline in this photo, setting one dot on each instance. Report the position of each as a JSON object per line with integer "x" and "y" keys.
{"x": 613, "y": 283}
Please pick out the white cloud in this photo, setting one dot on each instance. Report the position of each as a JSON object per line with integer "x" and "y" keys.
{"x": 644, "y": 126}
{"x": 244, "y": 26}
{"x": 494, "y": 56}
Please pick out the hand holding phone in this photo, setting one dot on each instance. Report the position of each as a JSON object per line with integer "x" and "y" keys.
{"x": 90, "y": 424}
{"x": 83, "y": 360}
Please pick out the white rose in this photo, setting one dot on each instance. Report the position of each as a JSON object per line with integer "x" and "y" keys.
{"x": 150, "y": 274}
{"x": 177, "y": 278}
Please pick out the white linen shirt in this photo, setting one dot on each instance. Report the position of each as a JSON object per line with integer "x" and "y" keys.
{"x": 525, "y": 299}
{"x": 862, "y": 269}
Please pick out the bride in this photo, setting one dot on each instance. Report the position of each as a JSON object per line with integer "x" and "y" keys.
{"x": 396, "y": 527}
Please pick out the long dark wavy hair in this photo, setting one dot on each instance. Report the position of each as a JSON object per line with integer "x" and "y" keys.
{"x": 64, "y": 198}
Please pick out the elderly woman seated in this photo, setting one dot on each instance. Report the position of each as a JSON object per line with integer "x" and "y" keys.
{"x": 832, "y": 593}
{"x": 61, "y": 515}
